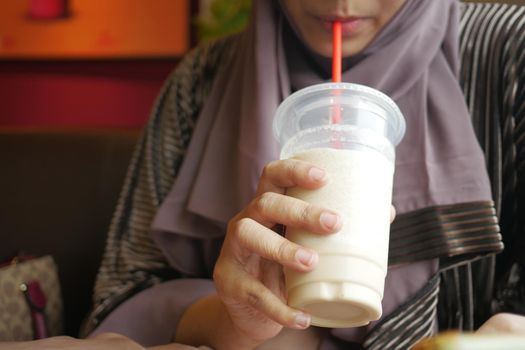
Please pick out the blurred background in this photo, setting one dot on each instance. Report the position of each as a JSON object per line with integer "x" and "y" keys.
{"x": 97, "y": 63}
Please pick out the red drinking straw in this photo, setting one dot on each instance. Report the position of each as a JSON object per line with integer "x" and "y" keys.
{"x": 336, "y": 52}
{"x": 336, "y": 65}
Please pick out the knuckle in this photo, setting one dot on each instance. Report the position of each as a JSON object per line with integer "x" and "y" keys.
{"x": 305, "y": 213}
{"x": 265, "y": 202}
{"x": 283, "y": 250}
{"x": 253, "y": 299}
{"x": 268, "y": 169}
{"x": 242, "y": 231}
{"x": 292, "y": 166}
{"x": 224, "y": 282}
{"x": 218, "y": 275}
{"x": 239, "y": 231}
{"x": 242, "y": 225}
{"x": 218, "y": 280}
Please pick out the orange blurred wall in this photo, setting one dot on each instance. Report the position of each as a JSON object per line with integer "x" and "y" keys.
{"x": 113, "y": 86}
{"x": 96, "y": 29}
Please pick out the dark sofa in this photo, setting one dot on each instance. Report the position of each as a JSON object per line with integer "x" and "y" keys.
{"x": 58, "y": 190}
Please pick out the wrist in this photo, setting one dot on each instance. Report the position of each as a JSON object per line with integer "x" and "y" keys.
{"x": 216, "y": 328}
{"x": 238, "y": 340}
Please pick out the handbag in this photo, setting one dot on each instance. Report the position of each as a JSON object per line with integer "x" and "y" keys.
{"x": 30, "y": 299}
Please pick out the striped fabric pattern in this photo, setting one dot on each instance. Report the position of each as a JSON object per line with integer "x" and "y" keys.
{"x": 493, "y": 64}
{"x": 410, "y": 323}
{"x": 492, "y": 75}
{"x": 450, "y": 230}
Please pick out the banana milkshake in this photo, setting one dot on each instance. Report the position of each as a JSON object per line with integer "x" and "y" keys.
{"x": 357, "y": 151}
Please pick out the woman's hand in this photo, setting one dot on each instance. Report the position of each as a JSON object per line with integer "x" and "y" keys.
{"x": 503, "y": 323}
{"x": 249, "y": 272}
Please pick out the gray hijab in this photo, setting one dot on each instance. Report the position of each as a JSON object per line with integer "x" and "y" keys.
{"x": 414, "y": 60}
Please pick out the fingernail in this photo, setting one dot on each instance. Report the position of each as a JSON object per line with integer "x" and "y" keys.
{"x": 305, "y": 257}
{"x": 302, "y": 320}
{"x": 316, "y": 174}
{"x": 329, "y": 220}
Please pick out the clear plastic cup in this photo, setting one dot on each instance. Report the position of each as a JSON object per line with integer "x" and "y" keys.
{"x": 350, "y": 131}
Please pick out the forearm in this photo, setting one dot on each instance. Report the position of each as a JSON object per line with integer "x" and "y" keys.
{"x": 206, "y": 322}
{"x": 20, "y": 345}
{"x": 100, "y": 342}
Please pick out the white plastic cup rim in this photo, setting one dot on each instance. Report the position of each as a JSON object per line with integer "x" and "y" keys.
{"x": 379, "y": 97}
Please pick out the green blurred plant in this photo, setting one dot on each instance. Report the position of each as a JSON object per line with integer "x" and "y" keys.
{"x": 224, "y": 17}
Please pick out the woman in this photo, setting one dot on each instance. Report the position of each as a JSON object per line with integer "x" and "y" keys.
{"x": 202, "y": 155}
{"x": 395, "y": 46}
{"x": 195, "y": 205}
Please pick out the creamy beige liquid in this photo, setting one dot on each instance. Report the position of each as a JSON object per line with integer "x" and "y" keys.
{"x": 346, "y": 288}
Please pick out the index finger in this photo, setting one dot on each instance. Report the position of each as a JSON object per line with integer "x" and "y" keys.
{"x": 281, "y": 174}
